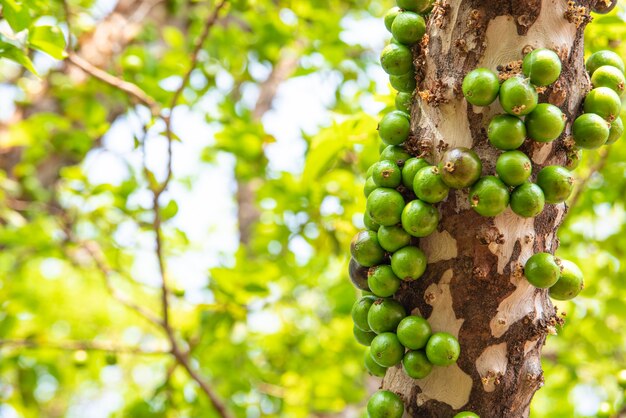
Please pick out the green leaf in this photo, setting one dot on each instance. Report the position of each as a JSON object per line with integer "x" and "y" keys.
{"x": 16, "y": 14}
{"x": 15, "y": 54}
{"x": 169, "y": 211}
{"x": 48, "y": 39}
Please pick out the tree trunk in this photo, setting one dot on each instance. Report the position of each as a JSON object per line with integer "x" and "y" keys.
{"x": 474, "y": 286}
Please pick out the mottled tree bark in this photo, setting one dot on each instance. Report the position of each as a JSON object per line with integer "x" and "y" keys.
{"x": 474, "y": 286}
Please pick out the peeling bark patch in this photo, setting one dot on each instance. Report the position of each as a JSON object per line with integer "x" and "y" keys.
{"x": 491, "y": 365}
{"x": 516, "y": 306}
{"x": 439, "y": 297}
{"x": 439, "y": 246}
{"x": 517, "y": 229}
{"x": 445, "y": 384}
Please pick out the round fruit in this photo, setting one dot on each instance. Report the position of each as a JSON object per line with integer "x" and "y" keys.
{"x": 386, "y": 349}
{"x": 542, "y": 66}
{"x": 409, "y": 263}
{"x": 416, "y": 364}
{"x": 385, "y": 206}
{"x": 428, "y": 185}
{"x": 506, "y": 132}
{"x": 404, "y": 101}
{"x": 394, "y": 128}
{"x": 408, "y": 28}
{"x": 518, "y": 97}
{"x": 545, "y": 123}
{"x": 382, "y": 281}
{"x": 616, "y": 131}
{"x": 369, "y": 222}
{"x": 396, "y": 59}
{"x": 569, "y": 284}
{"x": 513, "y": 167}
{"x": 385, "y": 404}
{"x": 442, "y": 349}
{"x": 385, "y": 315}
{"x": 460, "y": 167}
{"x": 600, "y": 58}
{"x": 387, "y": 174}
{"x": 365, "y": 249}
{"x": 358, "y": 275}
{"x": 410, "y": 169}
{"x": 369, "y": 186}
{"x": 419, "y": 219}
{"x": 390, "y": 16}
{"x": 363, "y": 337}
{"x": 609, "y": 76}
{"x": 489, "y": 196}
{"x": 541, "y": 270}
{"x": 414, "y": 332}
{"x": 396, "y": 154}
{"x": 372, "y": 367}
{"x": 556, "y": 182}
{"x": 404, "y": 83}
{"x": 359, "y": 312}
{"x": 392, "y": 238}
{"x": 527, "y": 200}
{"x": 573, "y": 158}
{"x": 604, "y": 102}
{"x": 590, "y": 131}
{"x": 481, "y": 86}
{"x": 466, "y": 414}
{"x": 418, "y": 6}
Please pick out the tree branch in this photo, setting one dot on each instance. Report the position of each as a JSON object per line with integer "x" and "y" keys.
{"x": 78, "y": 345}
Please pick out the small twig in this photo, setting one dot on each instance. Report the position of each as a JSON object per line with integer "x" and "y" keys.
{"x": 597, "y": 167}
{"x": 78, "y": 345}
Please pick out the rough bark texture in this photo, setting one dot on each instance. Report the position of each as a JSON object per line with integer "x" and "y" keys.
{"x": 474, "y": 286}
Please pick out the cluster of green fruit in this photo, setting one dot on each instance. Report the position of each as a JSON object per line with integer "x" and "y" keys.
{"x": 386, "y": 404}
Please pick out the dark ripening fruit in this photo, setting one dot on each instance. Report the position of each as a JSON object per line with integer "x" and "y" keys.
{"x": 590, "y": 131}
{"x": 387, "y": 174}
{"x": 382, "y": 281}
{"x": 518, "y": 97}
{"x": 408, "y": 28}
{"x": 556, "y": 182}
{"x": 365, "y": 249}
{"x": 369, "y": 222}
{"x": 574, "y": 156}
{"x": 609, "y": 76}
{"x": 372, "y": 367}
{"x": 513, "y": 168}
{"x": 392, "y": 238}
{"x": 460, "y": 167}
{"x": 418, "y": 6}
{"x": 405, "y": 83}
{"x": 363, "y": 337}
{"x": 386, "y": 349}
{"x": 442, "y": 349}
{"x": 416, "y": 364}
{"x": 616, "y": 131}
{"x": 600, "y": 58}
{"x": 545, "y": 123}
{"x": 369, "y": 186}
{"x": 604, "y": 102}
{"x": 527, "y": 200}
{"x": 394, "y": 128}
{"x": 410, "y": 169}
{"x": 428, "y": 185}
{"x": 358, "y": 275}
{"x": 385, "y": 315}
{"x": 481, "y": 86}
{"x": 542, "y": 66}
{"x": 414, "y": 332}
{"x": 466, "y": 414}
{"x": 403, "y": 102}
{"x": 419, "y": 219}
{"x": 541, "y": 270}
{"x": 385, "y": 404}
{"x": 395, "y": 154}
{"x": 569, "y": 284}
{"x": 390, "y": 16}
{"x": 359, "y": 312}
{"x": 385, "y": 206}
{"x": 396, "y": 59}
{"x": 506, "y": 132}
{"x": 409, "y": 263}
{"x": 489, "y": 196}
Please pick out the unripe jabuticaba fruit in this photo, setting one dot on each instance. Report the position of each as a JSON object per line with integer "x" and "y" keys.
{"x": 405, "y": 83}
{"x": 369, "y": 186}
{"x": 408, "y": 27}
{"x": 506, "y": 132}
{"x": 385, "y": 315}
{"x": 392, "y": 238}
{"x": 363, "y": 337}
{"x": 541, "y": 270}
{"x": 416, "y": 364}
{"x": 466, "y": 414}
{"x": 513, "y": 168}
{"x": 428, "y": 185}
{"x": 616, "y": 131}
{"x": 442, "y": 349}
{"x": 387, "y": 174}
{"x": 382, "y": 281}
{"x": 365, "y": 249}
{"x": 372, "y": 367}
{"x": 410, "y": 169}
{"x": 420, "y": 219}
{"x": 481, "y": 86}
{"x": 414, "y": 332}
{"x": 409, "y": 263}
{"x": 542, "y": 66}
{"x": 604, "y": 102}
{"x": 545, "y": 123}
{"x": 569, "y": 284}
{"x": 518, "y": 97}
{"x": 395, "y": 154}
{"x": 590, "y": 131}
{"x": 527, "y": 200}
{"x": 418, "y": 6}
{"x": 360, "y": 310}
{"x": 390, "y": 16}
{"x": 370, "y": 223}
{"x": 556, "y": 182}
{"x": 489, "y": 196}
{"x": 394, "y": 128}
{"x": 600, "y": 58}
{"x": 396, "y": 59}
{"x": 386, "y": 349}
{"x": 609, "y": 76}
{"x": 574, "y": 156}
{"x": 460, "y": 167}
{"x": 385, "y": 206}
{"x": 358, "y": 275}
{"x": 385, "y": 404}
{"x": 403, "y": 102}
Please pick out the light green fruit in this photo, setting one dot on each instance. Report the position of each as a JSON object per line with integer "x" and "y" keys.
{"x": 570, "y": 282}
{"x": 600, "y": 58}
{"x": 545, "y": 123}
{"x": 518, "y": 97}
{"x": 542, "y": 66}
{"x": 611, "y": 77}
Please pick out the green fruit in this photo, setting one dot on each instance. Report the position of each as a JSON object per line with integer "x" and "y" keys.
{"x": 556, "y": 182}
{"x": 573, "y": 158}
{"x": 601, "y": 58}
{"x": 387, "y": 174}
{"x": 419, "y": 219}
{"x": 414, "y": 332}
{"x": 603, "y": 102}
{"x": 396, "y": 154}
{"x": 405, "y": 83}
{"x": 481, "y": 86}
{"x": 569, "y": 284}
{"x": 410, "y": 169}
{"x": 609, "y": 76}
{"x": 518, "y": 97}
{"x": 370, "y": 170}
{"x": 359, "y": 312}
{"x": 385, "y": 404}
{"x": 394, "y": 128}
{"x": 418, "y": 6}
{"x": 385, "y": 206}
{"x": 616, "y": 131}
{"x": 408, "y": 28}
{"x": 542, "y": 66}
{"x": 370, "y": 223}
{"x": 416, "y": 364}
{"x": 404, "y": 101}
{"x": 489, "y": 196}
{"x": 428, "y": 185}
{"x": 527, "y": 200}
{"x": 466, "y": 414}
{"x": 541, "y": 270}
{"x": 372, "y": 367}
{"x": 392, "y": 238}
{"x": 513, "y": 167}
{"x": 363, "y": 337}
{"x": 365, "y": 249}
{"x": 545, "y": 123}
{"x": 369, "y": 186}
{"x": 396, "y": 59}
{"x": 590, "y": 131}
{"x": 460, "y": 167}
{"x": 506, "y": 132}
{"x": 409, "y": 263}
{"x": 386, "y": 349}
{"x": 385, "y": 315}
{"x": 442, "y": 349}
{"x": 382, "y": 282}
{"x": 110, "y": 359}
{"x": 390, "y": 16}
{"x": 358, "y": 275}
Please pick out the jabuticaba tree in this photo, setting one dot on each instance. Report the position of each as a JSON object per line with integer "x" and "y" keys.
{"x": 476, "y": 285}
